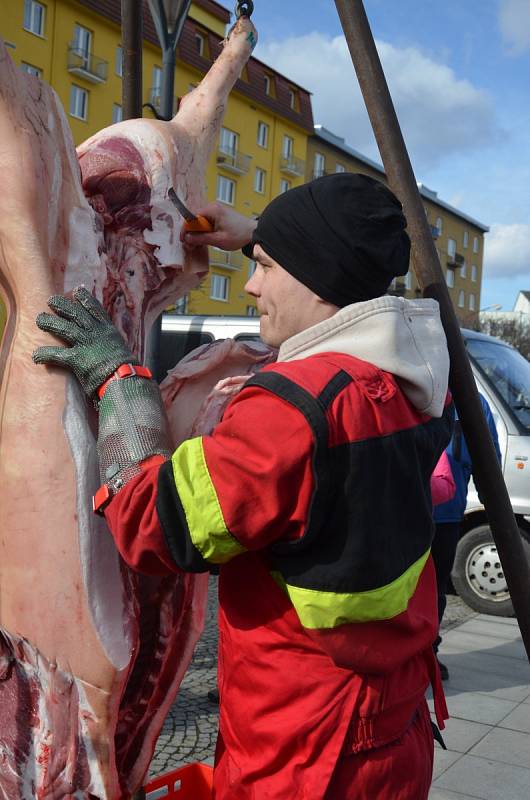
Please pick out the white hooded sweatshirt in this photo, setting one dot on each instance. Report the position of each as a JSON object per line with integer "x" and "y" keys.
{"x": 403, "y": 337}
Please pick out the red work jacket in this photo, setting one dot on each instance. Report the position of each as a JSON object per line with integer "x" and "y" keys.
{"x": 313, "y": 495}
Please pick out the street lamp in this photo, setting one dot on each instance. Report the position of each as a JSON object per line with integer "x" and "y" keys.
{"x": 168, "y": 17}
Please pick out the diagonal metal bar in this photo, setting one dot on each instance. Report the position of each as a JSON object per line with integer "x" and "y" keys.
{"x": 486, "y": 470}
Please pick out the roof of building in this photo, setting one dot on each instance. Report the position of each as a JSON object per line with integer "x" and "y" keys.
{"x": 339, "y": 143}
{"x": 187, "y": 51}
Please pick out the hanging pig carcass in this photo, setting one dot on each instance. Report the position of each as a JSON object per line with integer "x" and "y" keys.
{"x": 91, "y": 655}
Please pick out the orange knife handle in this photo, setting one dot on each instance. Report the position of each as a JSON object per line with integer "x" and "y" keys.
{"x": 199, "y": 225}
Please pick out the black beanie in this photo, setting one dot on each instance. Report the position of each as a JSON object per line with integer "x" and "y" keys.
{"x": 343, "y": 236}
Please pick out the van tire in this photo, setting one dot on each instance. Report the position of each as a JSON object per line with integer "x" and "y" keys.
{"x": 478, "y": 576}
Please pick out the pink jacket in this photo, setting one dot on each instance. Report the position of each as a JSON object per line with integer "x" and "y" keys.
{"x": 442, "y": 484}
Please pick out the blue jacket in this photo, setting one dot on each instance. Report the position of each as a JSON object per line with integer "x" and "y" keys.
{"x": 460, "y": 460}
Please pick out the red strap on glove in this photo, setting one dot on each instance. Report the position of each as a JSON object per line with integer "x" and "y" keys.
{"x": 105, "y": 494}
{"x": 125, "y": 371}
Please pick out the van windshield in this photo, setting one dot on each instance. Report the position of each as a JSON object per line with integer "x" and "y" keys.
{"x": 508, "y": 371}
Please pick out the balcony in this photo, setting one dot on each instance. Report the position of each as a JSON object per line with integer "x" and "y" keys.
{"x": 456, "y": 260}
{"x": 233, "y": 161}
{"x": 86, "y": 65}
{"x": 156, "y": 100}
{"x": 292, "y": 166}
{"x": 231, "y": 260}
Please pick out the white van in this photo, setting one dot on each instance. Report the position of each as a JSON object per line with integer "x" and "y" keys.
{"x": 502, "y": 376}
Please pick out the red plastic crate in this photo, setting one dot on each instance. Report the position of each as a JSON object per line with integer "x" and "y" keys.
{"x": 192, "y": 782}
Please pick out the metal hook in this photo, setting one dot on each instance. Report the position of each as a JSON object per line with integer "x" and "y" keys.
{"x": 244, "y": 8}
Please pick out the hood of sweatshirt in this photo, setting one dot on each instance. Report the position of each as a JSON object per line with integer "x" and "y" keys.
{"x": 403, "y": 337}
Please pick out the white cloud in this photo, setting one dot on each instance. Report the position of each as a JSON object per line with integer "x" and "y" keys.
{"x": 507, "y": 251}
{"x": 514, "y": 21}
{"x": 440, "y": 114}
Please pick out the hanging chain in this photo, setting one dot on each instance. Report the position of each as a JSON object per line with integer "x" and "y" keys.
{"x": 244, "y": 8}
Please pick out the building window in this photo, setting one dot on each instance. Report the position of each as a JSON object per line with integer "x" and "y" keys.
{"x": 463, "y": 270}
{"x": 288, "y": 147}
{"x": 450, "y": 278}
{"x": 83, "y": 44}
{"x": 34, "y": 17}
{"x": 118, "y": 61}
{"x": 263, "y": 134}
{"x": 228, "y": 142}
{"x": 226, "y": 190}
{"x": 474, "y": 273}
{"x": 30, "y": 70}
{"x": 451, "y": 248}
{"x": 267, "y": 84}
{"x": 219, "y": 287}
{"x": 461, "y": 299}
{"x": 259, "y": 180}
{"x": 78, "y": 102}
{"x": 199, "y": 43}
{"x": 156, "y": 83}
{"x": 465, "y": 239}
{"x": 475, "y": 244}
{"x": 252, "y": 311}
{"x": 439, "y": 225}
{"x": 471, "y": 302}
{"x": 340, "y": 168}
{"x": 319, "y": 165}
{"x": 284, "y": 185}
{"x": 117, "y": 113}
{"x": 251, "y": 268}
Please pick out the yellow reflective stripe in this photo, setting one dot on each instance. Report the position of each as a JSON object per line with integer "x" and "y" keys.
{"x": 206, "y": 524}
{"x": 317, "y": 609}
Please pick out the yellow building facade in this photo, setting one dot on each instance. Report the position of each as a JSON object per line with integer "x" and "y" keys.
{"x": 459, "y": 238}
{"x": 76, "y": 47}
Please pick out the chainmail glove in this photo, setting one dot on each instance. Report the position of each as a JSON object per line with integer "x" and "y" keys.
{"x": 96, "y": 348}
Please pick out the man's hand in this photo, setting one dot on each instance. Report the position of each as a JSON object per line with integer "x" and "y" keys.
{"x": 231, "y": 230}
{"x": 96, "y": 348}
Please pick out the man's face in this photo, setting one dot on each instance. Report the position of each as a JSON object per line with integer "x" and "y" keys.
{"x": 285, "y": 305}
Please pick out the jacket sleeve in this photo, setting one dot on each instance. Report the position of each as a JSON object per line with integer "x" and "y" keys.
{"x": 244, "y": 487}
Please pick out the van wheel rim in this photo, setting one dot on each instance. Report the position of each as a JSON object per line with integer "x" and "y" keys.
{"x": 485, "y": 575}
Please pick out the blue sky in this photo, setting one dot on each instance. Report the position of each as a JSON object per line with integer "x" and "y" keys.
{"x": 459, "y": 75}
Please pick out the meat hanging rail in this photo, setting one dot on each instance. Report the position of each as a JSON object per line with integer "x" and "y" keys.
{"x": 396, "y": 162}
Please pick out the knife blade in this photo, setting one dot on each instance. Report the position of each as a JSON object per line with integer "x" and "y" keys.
{"x": 195, "y": 223}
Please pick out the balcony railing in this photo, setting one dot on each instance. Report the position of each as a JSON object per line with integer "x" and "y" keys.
{"x": 232, "y": 260}
{"x": 292, "y": 166}
{"x": 87, "y": 65}
{"x": 456, "y": 260}
{"x": 156, "y": 100}
{"x": 233, "y": 161}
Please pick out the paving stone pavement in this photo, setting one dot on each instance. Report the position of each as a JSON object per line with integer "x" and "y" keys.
{"x": 190, "y": 729}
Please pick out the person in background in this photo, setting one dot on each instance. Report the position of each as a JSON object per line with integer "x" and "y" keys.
{"x": 442, "y": 483}
{"x": 312, "y": 494}
{"x": 449, "y": 515}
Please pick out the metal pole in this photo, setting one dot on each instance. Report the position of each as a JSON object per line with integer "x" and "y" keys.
{"x": 131, "y": 43}
{"x": 168, "y": 17}
{"x": 486, "y": 470}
